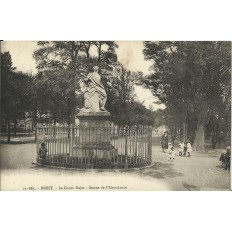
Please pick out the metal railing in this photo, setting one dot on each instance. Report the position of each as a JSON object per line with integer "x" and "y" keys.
{"x": 81, "y": 147}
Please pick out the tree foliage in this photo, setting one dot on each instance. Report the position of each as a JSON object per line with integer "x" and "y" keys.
{"x": 15, "y": 93}
{"x": 192, "y": 79}
{"x": 50, "y": 95}
{"x": 62, "y": 65}
{"x": 122, "y": 105}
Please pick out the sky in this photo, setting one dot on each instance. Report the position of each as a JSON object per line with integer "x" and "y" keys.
{"x": 129, "y": 54}
{"x": 21, "y": 54}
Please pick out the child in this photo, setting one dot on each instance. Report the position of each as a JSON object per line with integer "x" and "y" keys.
{"x": 223, "y": 158}
{"x": 189, "y": 147}
{"x": 169, "y": 147}
{"x": 185, "y": 149}
{"x": 172, "y": 154}
{"x": 42, "y": 154}
{"x": 181, "y": 148}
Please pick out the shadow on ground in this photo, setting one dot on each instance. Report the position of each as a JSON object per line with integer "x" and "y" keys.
{"x": 158, "y": 170}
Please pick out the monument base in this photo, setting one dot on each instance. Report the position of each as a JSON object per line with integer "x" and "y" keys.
{"x": 94, "y": 136}
{"x": 92, "y": 153}
{"x": 94, "y": 119}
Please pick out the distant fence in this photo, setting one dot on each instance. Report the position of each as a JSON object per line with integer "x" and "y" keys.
{"x": 77, "y": 147}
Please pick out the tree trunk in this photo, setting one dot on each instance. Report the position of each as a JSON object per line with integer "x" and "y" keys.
{"x": 15, "y": 126}
{"x": 5, "y": 125}
{"x": 8, "y": 130}
{"x": 87, "y": 50}
{"x": 227, "y": 126}
{"x": 190, "y": 131}
{"x": 199, "y": 142}
{"x": 183, "y": 131}
{"x": 99, "y": 52}
{"x": 173, "y": 134}
{"x": 34, "y": 123}
{"x": 72, "y": 107}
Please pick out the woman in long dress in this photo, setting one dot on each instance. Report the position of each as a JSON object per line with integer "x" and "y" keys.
{"x": 164, "y": 141}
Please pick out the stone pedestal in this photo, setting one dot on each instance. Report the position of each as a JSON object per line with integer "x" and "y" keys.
{"x": 94, "y": 127}
{"x": 94, "y": 136}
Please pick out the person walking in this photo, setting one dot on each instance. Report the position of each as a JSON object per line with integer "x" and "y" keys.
{"x": 189, "y": 148}
{"x": 164, "y": 141}
{"x": 171, "y": 152}
{"x": 181, "y": 148}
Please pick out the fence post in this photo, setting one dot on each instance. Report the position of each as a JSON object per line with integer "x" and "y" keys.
{"x": 36, "y": 133}
{"x": 149, "y": 140}
{"x": 71, "y": 140}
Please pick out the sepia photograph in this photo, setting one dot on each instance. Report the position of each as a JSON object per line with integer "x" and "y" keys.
{"x": 115, "y": 116}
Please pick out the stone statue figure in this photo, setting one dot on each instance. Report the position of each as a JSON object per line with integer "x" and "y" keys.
{"x": 94, "y": 92}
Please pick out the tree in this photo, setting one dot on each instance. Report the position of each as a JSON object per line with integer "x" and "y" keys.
{"x": 190, "y": 78}
{"x": 122, "y": 105}
{"x": 6, "y": 92}
{"x": 54, "y": 95}
{"x": 15, "y": 96}
{"x": 64, "y": 64}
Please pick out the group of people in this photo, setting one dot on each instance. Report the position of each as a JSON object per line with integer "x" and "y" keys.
{"x": 225, "y": 158}
{"x": 185, "y": 148}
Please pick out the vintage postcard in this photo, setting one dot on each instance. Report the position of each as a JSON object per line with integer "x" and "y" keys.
{"x": 115, "y": 115}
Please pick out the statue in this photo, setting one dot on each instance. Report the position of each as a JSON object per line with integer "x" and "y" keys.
{"x": 94, "y": 92}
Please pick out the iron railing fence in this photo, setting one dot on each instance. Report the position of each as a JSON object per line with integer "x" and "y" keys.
{"x": 83, "y": 147}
